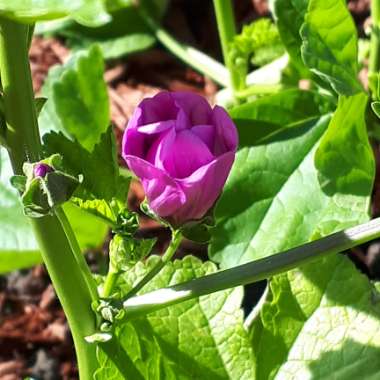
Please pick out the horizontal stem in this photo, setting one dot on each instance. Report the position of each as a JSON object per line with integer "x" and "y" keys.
{"x": 253, "y": 271}
{"x": 193, "y": 57}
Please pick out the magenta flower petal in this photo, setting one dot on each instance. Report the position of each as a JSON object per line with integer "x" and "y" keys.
{"x": 163, "y": 193}
{"x": 182, "y": 121}
{"x": 182, "y": 150}
{"x": 195, "y": 106}
{"x": 161, "y": 149}
{"x": 226, "y": 133}
{"x": 156, "y": 127}
{"x": 159, "y": 108}
{"x": 187, "y": 154}
{"x": 133, "y": 143}
{"x": 41, "y": 170}
{"x": 206, "y": 133}
{"x": 211, "y": 177}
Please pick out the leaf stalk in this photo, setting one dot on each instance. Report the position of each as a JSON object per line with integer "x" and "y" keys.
{"x": 253, "y": 271}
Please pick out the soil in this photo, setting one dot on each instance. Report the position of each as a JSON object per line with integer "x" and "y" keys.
{"x": 34, "y": 336}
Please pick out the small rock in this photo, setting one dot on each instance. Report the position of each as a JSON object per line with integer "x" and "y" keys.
{"x": 45, "y": 367}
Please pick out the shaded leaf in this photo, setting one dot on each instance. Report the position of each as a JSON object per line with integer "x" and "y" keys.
{"x": 344, "y": 158}
{"x": 264, "y": 116}
{"x": 321, "y": 321}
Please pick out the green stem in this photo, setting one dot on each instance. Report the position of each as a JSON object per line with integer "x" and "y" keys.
{"x": 253, "y": 271}
{"x": 227, "y": 31}
{"x": 374, "y": 59}
{"x": 109, "y": 283}
{"x": 166, "y": 257}
{"x": 79, "y": 257}
{"x": 23, "y": 141}
{"x": 193, "y": 57}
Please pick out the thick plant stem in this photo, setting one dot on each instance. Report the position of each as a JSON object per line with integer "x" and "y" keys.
{"x": 194, "y": 58}
{"x": 227, "y": 31}
{"x": 175, "y": 242}
{"x": 374, "y": 60}
{"x": 253, "y": 271}
{"x": 23, "y": 141}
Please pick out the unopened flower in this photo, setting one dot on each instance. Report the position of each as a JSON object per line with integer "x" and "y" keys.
{"x": 182, "y": 150}
{"x": 40, "y": 170}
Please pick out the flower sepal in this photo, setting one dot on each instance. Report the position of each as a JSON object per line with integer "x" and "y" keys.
{"x": 45, "y": 186}
{"x": 199, "y": 231}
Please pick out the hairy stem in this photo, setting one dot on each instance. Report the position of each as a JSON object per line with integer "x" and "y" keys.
{"x": 227, "y": 31}
{"x": 193, "y": 57}
{"x": 253, "y": 271}
{"x": 79, "y": 257}
{"x": 23, "y": 143}
{"x": 175, "y": 242}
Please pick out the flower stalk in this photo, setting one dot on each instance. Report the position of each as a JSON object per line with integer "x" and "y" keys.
{"x": 166, "y": 257}
{"x": 253, "y": 271}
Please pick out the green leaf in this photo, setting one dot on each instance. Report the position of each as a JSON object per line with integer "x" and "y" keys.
{"x": 273, "y": 199}
{"x": 39, "y": 103}
{"x": 98, "y": 207}
{"x": 126, "y": 33}
{"x": 330, "y": 45}
{"x": 258, "y": 42}
{"x": 89, "y": 230}
{"x": 126, "y": 251}
{"x": 86, "y": 12}
{"x": 99, "y": 168}
{"x": 259, "y": 119}
{"x": 18, "y": 247}
{"x": 321, "y": 321}
{"x": 289, "y": 16}
{"x": 198, "y": 339}
{"x": 77, "y": 98}
{"x": 112, "y": 48}
{"x": 344, "y": 158}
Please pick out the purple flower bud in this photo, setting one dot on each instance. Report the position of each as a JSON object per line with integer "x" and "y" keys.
{"x": 40, "y": 170}
{"x": 182, "y": 150}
